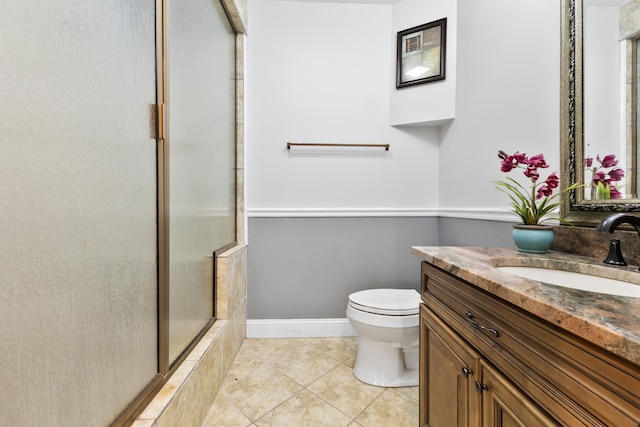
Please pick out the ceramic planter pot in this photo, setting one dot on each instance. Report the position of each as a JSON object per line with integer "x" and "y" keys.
{"x": 533, "y": 238}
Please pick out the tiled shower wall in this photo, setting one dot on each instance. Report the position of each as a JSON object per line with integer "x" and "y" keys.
{"x": 185, "y": 399}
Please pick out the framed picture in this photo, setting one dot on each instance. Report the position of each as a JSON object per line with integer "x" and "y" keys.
{"x": 421, "y": 54}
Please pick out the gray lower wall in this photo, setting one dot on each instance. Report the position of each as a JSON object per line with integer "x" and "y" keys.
{"x": 305, "y": 268}
{"x": 473, "y": 232}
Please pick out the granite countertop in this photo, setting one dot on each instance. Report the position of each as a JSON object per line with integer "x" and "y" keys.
{"x": 609, "y": 321}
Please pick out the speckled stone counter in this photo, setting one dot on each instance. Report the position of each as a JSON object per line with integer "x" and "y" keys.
{"x": 609, "y": 321}
{"x": 589, "y": 242}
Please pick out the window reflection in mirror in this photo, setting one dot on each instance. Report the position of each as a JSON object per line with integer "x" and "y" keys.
{"x": 580, "y": 136}
{"x": 609, "y": 146}
{"x": 636, "y": 115}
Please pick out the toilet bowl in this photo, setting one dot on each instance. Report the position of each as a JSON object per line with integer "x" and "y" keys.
{"x": 387, "y": 323}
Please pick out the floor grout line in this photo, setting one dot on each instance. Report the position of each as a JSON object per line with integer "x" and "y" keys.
{"x": 269, "y": 351}
{"x": 323, "y": 399}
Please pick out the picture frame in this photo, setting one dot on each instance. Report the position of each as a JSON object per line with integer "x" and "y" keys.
{"x": 421, "y": 54}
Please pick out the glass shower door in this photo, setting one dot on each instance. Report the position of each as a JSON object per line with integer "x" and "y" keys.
{"x": 201, "y": 158}
{"x": 78, "y": 251}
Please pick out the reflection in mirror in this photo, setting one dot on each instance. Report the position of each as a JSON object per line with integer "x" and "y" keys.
{"x": 599, "y": 110}
{"x": 636, "y": 117}
{"x": 609, "y": 172}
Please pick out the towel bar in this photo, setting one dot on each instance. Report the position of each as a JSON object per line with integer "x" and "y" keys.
{"x": 309, "y": 144}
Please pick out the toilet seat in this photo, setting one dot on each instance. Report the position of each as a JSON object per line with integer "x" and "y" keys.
{"x": 387, "y": 302}
{"x": 382, "y": 320}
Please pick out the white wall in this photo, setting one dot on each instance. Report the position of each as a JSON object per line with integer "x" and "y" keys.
{"x": 321, "y": 72}
{"x": 325, "y": 72}
{"x": 507, "y": 96}
{"x": 434, "y": 101}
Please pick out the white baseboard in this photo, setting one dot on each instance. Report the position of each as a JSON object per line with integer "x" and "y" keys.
{"x": 299, "y": 328}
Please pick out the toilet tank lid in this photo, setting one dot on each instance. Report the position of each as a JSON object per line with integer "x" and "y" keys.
{"x": 387, "y": 299}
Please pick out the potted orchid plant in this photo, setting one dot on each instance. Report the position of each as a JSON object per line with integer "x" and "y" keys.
{"x": 532, "y": 201}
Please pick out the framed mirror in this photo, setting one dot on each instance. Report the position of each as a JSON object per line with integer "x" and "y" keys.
{"x": 599, "y": 108}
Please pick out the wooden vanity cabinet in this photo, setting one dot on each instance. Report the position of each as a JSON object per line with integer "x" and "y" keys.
{"x": 502, "y": 404}
{"x": 485, "y": 362}
{"x": 460, "y": 389}
{"x": 446, "y": 382}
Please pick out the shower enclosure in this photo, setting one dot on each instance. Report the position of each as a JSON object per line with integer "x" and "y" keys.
{"x": 106, "y": 230}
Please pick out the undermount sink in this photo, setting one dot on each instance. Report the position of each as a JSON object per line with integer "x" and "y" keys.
{"x": 573, "y": 280}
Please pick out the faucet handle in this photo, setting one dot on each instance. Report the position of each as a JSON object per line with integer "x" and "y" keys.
{"x": 615, "y": 254}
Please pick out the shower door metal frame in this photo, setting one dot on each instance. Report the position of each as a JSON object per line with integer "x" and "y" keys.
{"x": 160, "y": 124}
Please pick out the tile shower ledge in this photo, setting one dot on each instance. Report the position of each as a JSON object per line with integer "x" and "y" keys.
{"x": 611, "y": 322}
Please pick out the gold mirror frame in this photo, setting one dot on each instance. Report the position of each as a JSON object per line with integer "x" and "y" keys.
{"x": 574, "y": 208}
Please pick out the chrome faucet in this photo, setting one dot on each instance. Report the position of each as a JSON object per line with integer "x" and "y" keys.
{"x": 609, "y": 225}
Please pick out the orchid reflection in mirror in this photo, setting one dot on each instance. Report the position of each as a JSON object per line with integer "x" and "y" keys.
{"x": 605, "y": 177}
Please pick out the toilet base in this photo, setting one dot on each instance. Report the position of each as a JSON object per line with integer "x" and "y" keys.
{"x": 381, "y": 364}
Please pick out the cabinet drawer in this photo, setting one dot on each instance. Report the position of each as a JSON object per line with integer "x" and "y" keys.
{"x": 567, "y": 376}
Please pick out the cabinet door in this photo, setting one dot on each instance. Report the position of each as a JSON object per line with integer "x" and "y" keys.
{"x": 503, "y": 405}
{"x": 447, "y": 371}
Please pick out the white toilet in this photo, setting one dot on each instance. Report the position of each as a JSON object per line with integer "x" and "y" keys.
{"x": 387, "y": 322}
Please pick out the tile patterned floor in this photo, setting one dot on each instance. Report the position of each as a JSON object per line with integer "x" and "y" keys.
{"x": 306, "y": 382}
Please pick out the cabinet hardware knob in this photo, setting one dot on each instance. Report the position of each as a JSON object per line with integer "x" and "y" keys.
{"x": 466, "y": 371}
{"x": 471, "y": 320}
{"x": 480, "y": 387}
